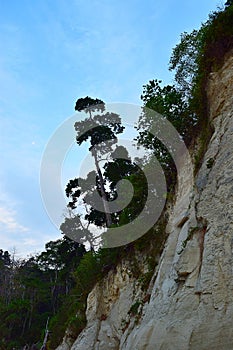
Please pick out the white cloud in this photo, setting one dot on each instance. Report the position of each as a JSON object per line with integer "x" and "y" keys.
{"x": 8, "y": 221}
{"x": 10, "y": 225}
{"x": 25, "y": 244}
{"x": 14, "y": 235}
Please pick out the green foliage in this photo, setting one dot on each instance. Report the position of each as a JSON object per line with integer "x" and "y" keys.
{"x": 217, "y": 42}
{"x": 191, "y": 232}
{"x": 203, "y": 141}
{"x": 152, "y": 244}
{"x": 88, "y": 272}
{"x": 172, "y": 103}
{"x": 103, "y": 180}
{"x": 123, "y": 169}
{"x": 210, "y": 163}
{"x": 218, "y": 39}
{"x": 34, "y": 289}
{"x": 71, "y": 315}
{"x": 184, "y": 60}
{"x": 134, "y": 310}
{"x": 145, "y": 279}
{"x": 91, "y": 269}
{"x": 197, "y": 54}
{"x": 94, "y": 266}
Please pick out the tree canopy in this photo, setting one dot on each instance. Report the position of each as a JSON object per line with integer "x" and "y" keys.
{"x": 101, "y": 128}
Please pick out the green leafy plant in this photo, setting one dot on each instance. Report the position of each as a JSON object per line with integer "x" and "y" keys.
{"x": 210, "y": 163}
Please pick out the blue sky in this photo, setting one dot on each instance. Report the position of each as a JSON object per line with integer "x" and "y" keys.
{"x": 53, "y": 52}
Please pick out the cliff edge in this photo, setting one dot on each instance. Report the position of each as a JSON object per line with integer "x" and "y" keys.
{"x": 189, "y": 303}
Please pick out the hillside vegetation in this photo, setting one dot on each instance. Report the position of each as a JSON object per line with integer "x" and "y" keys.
{"x": 53, "y": 286}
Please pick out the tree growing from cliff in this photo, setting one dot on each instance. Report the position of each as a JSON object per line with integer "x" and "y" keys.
{"x": 184, "y": 60}
{"x": 172, "y": 104}
{"x": 100, "y": 129}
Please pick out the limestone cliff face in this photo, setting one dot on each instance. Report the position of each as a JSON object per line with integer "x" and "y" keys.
{"x": 191, "y": 293}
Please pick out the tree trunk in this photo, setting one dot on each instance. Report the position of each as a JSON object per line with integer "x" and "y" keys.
{"x": 44, "y": 347}
{"x": 102, "y": 190}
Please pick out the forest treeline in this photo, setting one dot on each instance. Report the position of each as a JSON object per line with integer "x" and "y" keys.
{"x": 31, "y": 290}
{"x": 53, "y": 286}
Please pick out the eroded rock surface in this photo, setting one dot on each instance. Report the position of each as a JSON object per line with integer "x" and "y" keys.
{"x": 192, "y": 300}
{"x": 191, "y": 303}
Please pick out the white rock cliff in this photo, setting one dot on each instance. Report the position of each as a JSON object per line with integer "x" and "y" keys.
{"x": 191, "y": 294}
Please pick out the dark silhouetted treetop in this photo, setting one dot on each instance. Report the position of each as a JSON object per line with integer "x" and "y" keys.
{"x": 101, "y": 130}
{"x": 229, "y": 3}
{"x": 89, "y": 105}
{"x": 98, "y": 128}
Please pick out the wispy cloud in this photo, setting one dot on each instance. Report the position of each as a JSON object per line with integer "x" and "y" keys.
{"x": 20, "y": 229}
{"x": 24, "y": 243}
{"x": 8, "y": 221}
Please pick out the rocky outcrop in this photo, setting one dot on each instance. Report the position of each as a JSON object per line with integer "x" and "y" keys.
{"x": 191, "y": 306}
{"x": 109, "y": 307}
{"x": 191, "y": 296}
